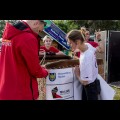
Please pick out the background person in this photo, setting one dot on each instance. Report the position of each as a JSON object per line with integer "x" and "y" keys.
{"x": 48, "y": 48}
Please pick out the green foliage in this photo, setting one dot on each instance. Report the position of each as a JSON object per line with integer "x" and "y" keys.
{"x": 67, "y": 25}
{"x": 92, "y": 25}
{"x": 117, "y": 95}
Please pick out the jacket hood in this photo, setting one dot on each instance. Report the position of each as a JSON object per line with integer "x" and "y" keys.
{"x": 11, "y": 31}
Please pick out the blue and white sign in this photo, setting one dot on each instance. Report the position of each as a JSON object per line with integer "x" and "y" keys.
{"x": 56, "y": 33}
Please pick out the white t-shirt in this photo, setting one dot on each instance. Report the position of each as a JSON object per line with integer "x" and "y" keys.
{"x": 88, "y": 65}
{"x": 90, "y": 47}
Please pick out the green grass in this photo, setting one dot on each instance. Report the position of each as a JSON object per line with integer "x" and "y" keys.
{"x": 117, "y": 95}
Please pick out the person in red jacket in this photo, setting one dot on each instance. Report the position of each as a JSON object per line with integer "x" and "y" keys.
{"x": 19, "y": 61}
{"x": 0, "y": 45}
{"x": 48, "y": 48}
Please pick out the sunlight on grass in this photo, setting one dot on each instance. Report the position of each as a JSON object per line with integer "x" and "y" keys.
{"x": 117, "y": 95}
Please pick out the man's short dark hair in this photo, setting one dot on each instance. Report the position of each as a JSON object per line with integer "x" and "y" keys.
{"x": 42, "y": 21}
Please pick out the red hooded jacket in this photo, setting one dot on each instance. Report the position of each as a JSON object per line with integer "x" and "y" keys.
{"x": 19, "y": 63}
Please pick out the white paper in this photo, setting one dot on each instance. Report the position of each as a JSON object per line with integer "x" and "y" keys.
{"x": 107, "y": 92}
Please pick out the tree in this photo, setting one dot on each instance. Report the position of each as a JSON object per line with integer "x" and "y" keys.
{"x": 91, "y": 25}
{"x": 66, "y": 25}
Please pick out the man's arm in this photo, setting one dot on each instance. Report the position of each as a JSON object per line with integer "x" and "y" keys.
{"x": 29, "y": 51}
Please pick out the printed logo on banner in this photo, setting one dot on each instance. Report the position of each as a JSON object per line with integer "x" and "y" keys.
{"x": 65, "y": 92}
{"x": 52, "y": 76}
{"x": 54, "y": 93}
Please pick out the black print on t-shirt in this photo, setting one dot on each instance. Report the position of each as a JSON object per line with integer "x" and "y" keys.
{"x": 95, "y": 63}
